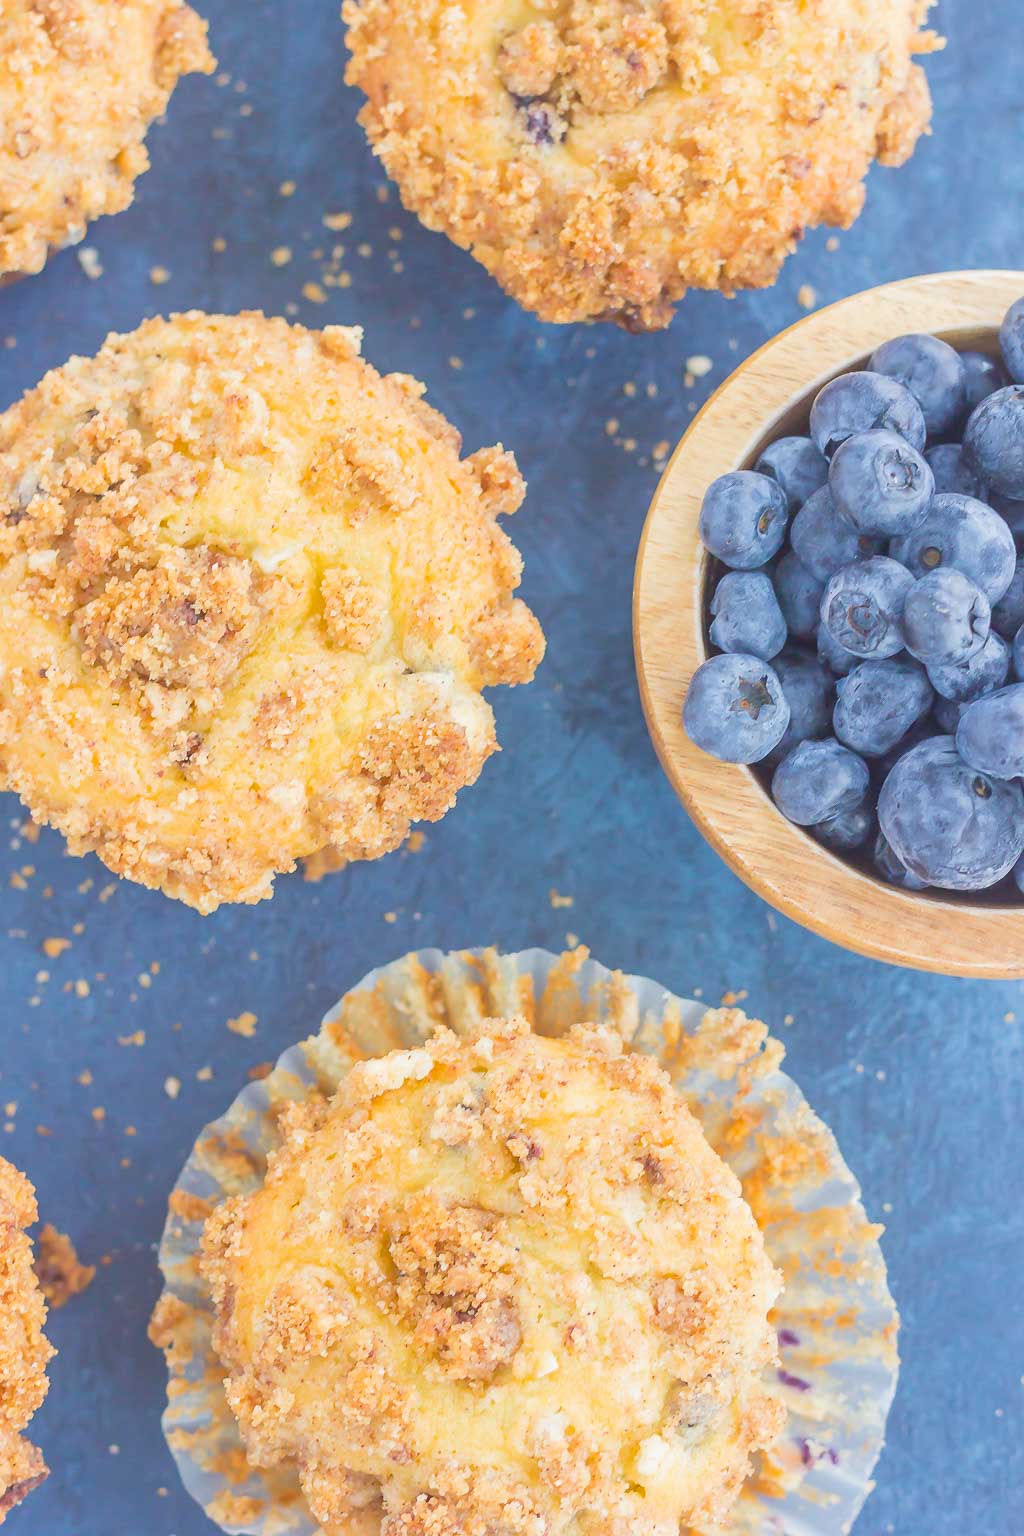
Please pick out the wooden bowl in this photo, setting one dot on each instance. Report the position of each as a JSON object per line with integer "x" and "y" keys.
{"x": 770, "y": 395}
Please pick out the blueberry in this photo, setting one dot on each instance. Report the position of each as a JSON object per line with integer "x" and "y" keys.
{"x": 807, "y": 688}
{"x": 1011, "y": 341}
{"x": 735, "y": 709}
{"x": 1011, "y": 512}
{"x": 966, "y": 534}
{"x": 950, "y": 825}
{"x": 541, "y": 122}
{"x": 863, "y": 605}
{"x": 890, "y": 868}
{"x": 1008, "y": 613}
{"x": 990, "y": 736}
{"x": 932, "y": 371}
{"x": 860, "y": 402}
{"x": 878, "y": 703}
{"x": 747, "y": 617}
{"x": 833, "y": 655}
{"x": 819, "y": 780}
{"x": 1018, "y": 654}
{"x": 1018, "y": 874}
{"x": 994, "y": 441}
{"x": 945, "y": 617}
{"x": 743, "y": 519}
{"x": 983, "y": 376}
{"x": 946, "y": 713}
{"x": 797, "y": 464}
{"x": 823, "y": 541}
{"x": 880, "y": 484}
{"x": 981, "y": 673}
{"x": 799, "y": 594}
{"x": 848, "y": 830}
{"x": 952, "y": 473}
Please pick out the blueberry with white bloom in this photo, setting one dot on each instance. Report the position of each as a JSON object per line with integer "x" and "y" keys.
{"x": 890, "y": 868}
{"x": 860, "y": 402}
{"x": 990, "y": 735}
{"x": 819, "y": 780}
{"x": 981, "y": 673}
{"x": 849, "y": 830}
{"x": 949, "y": 824}
{"x": 952, "y": 472}
{"x": 967, "y": 535}
{"x": 799, "y": 594}
{"x": 880, "y": 484}
{"x": 735, "y": 709}
{"x": 945, "y": 617}
{"x": 994, "y": 441}
{"x": 833, "y": 655}
{"x": 797, "y": 464}
{"x": 743, "y": 519}
{"x": 1011, "y": 341}
{"x": 823, "y": 541}
{"x": 808, "y": 692}
{"x": 983, "y": 376}
{"x": 862, "y": 607}
{"x": 746, "y": 616}
{"x": 878, "y": 703}
{"x": 932, "y": 371}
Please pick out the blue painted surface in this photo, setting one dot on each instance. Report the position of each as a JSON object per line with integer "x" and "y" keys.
{"x": 922, "y": 1078}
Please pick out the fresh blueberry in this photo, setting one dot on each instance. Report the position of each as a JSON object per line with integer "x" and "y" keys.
{"x": 950, "y": 825}
{"x": 1008, "y": 613}
{"x": 807, "y": 688}
{"x": 990, "y": 736}
{"x": 890, "y": 868}
{"x": 823, "y": 541}
{"x": 878, "y": 703}
{"x": 946, "y": 713}
{"x": 833, "y": 655}
{"x": 945, "y": 617}
{"x": 1018, "y": 654}
{"x": 1011, "y": 512}
{"x": 860, "y": 402}
{"x": 967, "y": 535}
{"x": 983, "y": 376}
{"x": 799, "y": 594}
{"x": 994, "y": 441}
{"x": 932, "y": 371}
{"x": 981, "y": 673}
{"x": 797, "y": 465}
{"x": 746, "y": 615}
{"x": 819, "y": 780}
{"x": 1011, "y": 341}
{"x": 952, "y": 473}
{"x": 863, "y": 605}
{"x": 880, "y": 484}
{"x": 735, "y": 709}
{"x": 849, "y": 830}
{"x": 743, "y": 519}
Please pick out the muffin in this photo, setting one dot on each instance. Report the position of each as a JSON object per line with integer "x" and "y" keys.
{"x": 499, "y": 1282}
{"x": 249, "y": 597}
{"x": 24, "y": 1351}
{"x": 80, "y": 83}
{"x": 600, "y": 157}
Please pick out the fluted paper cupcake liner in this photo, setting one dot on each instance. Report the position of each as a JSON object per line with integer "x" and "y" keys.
{"x": 836, "y": 1320}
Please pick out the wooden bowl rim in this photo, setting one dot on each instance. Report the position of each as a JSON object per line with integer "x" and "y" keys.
{"x": 931, "y": 931}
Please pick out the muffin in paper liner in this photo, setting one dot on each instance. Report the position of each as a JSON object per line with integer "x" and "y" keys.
{"x": 836, "y": 1321}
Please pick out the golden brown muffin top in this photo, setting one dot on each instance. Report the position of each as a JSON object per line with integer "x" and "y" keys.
{"x": 249, "y": 597}
{"x": 24, "y": 1351}
{"x": 599, "y": 157}
{"x": 498, "y": 1284}
{"x": 80, "y": 83}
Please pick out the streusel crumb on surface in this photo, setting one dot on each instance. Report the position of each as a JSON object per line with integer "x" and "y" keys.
{"x": 249, "y": 597}
{"x": 599, "y": 157}
{"x": 80, "y": 83}
{"x": 499, "y": 1283}
{"x": 24, "y": 1351}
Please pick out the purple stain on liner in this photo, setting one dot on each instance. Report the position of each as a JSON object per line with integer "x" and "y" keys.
{"x": 788, "y": 1339}
{"x": 796, "y": 1382}
{"x": 811, "y": 1454}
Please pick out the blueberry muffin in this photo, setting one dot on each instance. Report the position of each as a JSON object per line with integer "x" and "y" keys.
{"x": 80, "y": 83}
{"x": 24, "y": 1351}
{"x": 499, "y": 1282}
{"x": 600, "y": 157}
{"x": 249, "y": 597}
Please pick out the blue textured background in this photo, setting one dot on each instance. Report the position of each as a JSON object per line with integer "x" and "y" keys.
{"x": 922, "y": 1078}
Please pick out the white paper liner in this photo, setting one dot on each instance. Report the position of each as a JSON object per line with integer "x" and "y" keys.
{"x": 836, "y": 1320}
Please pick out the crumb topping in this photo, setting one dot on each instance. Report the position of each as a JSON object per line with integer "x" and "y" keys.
{"x": 249, "y": 597}
{"x": 599, "y": 157}
{"x": 80, "y": 83}
{"x": 24, "y": 1351}
{"x": 498, "y": 1284}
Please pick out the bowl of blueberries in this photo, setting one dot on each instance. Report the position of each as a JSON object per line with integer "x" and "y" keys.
{"x": 829, "y": 622}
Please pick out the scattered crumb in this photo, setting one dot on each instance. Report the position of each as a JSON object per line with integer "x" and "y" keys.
{"x": 159, "y": 275}
{"x": 730, "y": 999}
{"x": 414, "y": 842}
{"x": 560, "y": 901}
{"x": 54, "y": 948}
{"x": 700, "y": 366}
{"x": 281, "y": 256}
{"x": 287, "y": 189}
{"x": 89, "y": 261}
{"x": 391, "y": 917}
{"x": 57, "y": 1267}
{"x": 172, "y": 1087}
{"x": 81, "y": 987}
{"x": 219, "y": 244}
{"x": 204, "y": 1075}
{"x": 832, "y": 244}
{"x": 314, "y": 293}
{"x": 245, "y": 1024}
{"x": 136, "y": 1038}
{"x": 806, "y": 296}
{"x": 337, "y": 221}
{"x": 98, "y": 1113}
